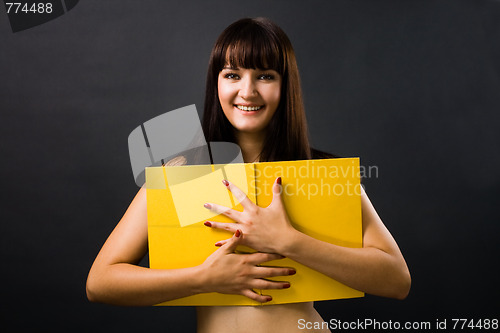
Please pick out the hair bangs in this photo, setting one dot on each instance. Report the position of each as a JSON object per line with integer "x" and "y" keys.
{"x": 251, "y": 47}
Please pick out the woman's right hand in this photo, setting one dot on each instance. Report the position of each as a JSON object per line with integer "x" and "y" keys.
{"x": 231, "y": 273}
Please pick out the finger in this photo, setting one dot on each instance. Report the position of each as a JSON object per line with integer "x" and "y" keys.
{"x": 258, "y": 258}
{"x": 266, "y": 272}
{"x": 277, "y": 191}
{"x": 239, "y": 195}
{"x": 268, "y": 284}
{"x": 231, "y": 213}
{"x": 231, "y": 227}
{"x": 232, "y": 243}
{"x": 222, "y": 242}
{"x": 256, "y": 297}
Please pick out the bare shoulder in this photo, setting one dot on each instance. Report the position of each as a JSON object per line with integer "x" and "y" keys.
{"x": 128, "y": 241}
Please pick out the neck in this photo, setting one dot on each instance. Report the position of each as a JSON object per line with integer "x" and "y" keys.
{"x": 251, "y": 145}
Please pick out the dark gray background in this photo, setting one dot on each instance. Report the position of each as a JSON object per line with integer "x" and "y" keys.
{"x": 412, "y": 87}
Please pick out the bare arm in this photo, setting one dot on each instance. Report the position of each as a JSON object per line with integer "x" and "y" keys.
{"x": 115, "y": 277}
{"x": 377, "y": 268}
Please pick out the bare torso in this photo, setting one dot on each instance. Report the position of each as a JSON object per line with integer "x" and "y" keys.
{"x": 262, "y": 319}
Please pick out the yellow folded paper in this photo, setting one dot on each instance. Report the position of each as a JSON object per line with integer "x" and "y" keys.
{"x": 321, "y": 197}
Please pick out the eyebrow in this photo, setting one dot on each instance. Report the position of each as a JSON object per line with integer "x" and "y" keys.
{"x": 229, "y": 67}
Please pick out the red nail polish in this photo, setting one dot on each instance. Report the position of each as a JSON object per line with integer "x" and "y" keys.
{"x": 208, "y": 224}
{"x": 278, "y": 180}
{"x": 286, "y": 285}
{"x": 218, "y": 244}
{"x": 208, "y": 206}
{"x": 237, "y": 233}
{"x": 269, "y": 299}
{"x": 225, "y": 182}
{"x": 292, "y": 272}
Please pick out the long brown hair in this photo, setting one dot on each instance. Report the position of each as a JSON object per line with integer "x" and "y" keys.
{"x": 259, "y": 44}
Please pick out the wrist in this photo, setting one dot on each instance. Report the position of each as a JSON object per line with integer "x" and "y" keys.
{"x": 289, "y": 242}
{"x": 200, "y": 280}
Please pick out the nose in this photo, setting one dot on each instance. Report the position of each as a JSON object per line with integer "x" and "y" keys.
{"x": 248, "y": 88}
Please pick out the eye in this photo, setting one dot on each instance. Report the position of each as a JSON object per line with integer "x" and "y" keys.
{"x": 231, "y": 76}
{"x": 266, "y": 76}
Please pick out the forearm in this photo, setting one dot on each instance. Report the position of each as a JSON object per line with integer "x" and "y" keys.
{"x": 368, "y": 269}
{"x": 127, "y": 284}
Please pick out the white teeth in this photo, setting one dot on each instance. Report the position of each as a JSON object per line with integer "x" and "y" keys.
{"x": 248, "y": 108}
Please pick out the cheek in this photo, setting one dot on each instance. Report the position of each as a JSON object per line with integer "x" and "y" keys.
{"x": 225, "y": 99}
{"x": 225, "y": 94}
{"x": 274, "y": 94}
{"x": 278, "y": 95}
{"x": 220, "y": 92}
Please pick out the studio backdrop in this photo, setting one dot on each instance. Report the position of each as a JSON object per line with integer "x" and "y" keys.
{"x": 410, "y": 87}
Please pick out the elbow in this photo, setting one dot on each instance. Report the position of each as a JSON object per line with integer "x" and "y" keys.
{"x": 397, "y": 282}
{"x": 92, "y": 289}
{"x": 403, "y": 285}
{"x": 91, "y": 295}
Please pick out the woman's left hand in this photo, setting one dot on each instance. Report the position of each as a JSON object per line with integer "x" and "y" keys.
{"x": 264, "y": 229}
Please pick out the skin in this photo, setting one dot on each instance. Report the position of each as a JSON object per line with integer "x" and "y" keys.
{"x": 249, "y": 87}
{"x": 377, "y": 268}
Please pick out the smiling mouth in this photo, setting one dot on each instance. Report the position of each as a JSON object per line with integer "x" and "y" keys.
{"x": 249, "y": 108}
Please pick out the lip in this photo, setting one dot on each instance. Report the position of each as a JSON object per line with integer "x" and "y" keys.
{"x": 249, "y": 113}
{"x": 247, "y": 104}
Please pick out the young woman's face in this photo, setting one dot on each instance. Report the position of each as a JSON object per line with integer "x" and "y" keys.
{"x": 249, "y": 97}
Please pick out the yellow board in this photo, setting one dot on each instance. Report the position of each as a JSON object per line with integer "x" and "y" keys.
{"x": 321, "y": 197}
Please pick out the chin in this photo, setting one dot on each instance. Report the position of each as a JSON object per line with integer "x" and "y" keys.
{"x": 249, "y": 129}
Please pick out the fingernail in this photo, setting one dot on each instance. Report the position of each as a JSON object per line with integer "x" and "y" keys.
{"x": 286, "y": 285}
{"x": 292, "y": 272}
{"x": 278, "y": 180}
{"x": 208, "y": 224}
{"x": 208, "y": 206}
{"x": 237, "y": 233}
{"x": 218, "y": 244}
{"x": 225, "y": 182}
{"x": 269, "y": 299}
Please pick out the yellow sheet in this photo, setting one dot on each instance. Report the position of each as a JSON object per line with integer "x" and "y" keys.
{"x": 322, "y": 198}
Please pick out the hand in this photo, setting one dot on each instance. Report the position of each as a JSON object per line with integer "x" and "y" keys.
{"x": 231, "y": 273}
{"x": 264, "y": 229}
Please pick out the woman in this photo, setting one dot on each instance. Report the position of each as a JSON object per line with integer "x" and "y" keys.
{"x": 253, "y": 98}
